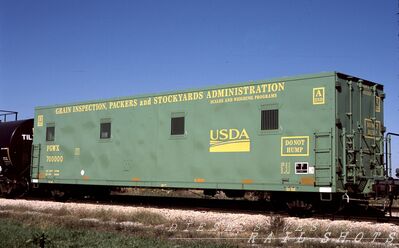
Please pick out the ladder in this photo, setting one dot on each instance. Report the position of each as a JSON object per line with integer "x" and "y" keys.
{"x": 323, "y": 159}
{"x": 35, "y": 161}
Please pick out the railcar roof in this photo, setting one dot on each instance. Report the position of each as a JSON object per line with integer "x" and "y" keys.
{"x": 252, "y": 82}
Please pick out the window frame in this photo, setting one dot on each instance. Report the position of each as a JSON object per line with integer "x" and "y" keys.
{"x": 48, "y": 126}
{"x": 109, "y": 136}
{"x": 178, "y": 115}
{"x": 266, "y": 107}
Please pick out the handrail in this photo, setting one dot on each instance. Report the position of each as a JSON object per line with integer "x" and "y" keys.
{"x": 388, "y": 154}
{"x": 5, "y": 113}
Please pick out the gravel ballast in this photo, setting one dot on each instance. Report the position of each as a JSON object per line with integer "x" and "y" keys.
{"x": 237, "y": 225}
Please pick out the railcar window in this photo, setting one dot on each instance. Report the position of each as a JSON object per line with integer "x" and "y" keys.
{"x": 50, "y": 133}
{"x": 105, "y": 130}
{"x": 269, "y": 119}
{"x": 177, "y": 126}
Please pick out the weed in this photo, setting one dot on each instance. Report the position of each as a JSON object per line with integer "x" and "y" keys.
{"x": 39, "y": 239}
{"x": 277, "y": 223}
{"x": 146, "y": 217}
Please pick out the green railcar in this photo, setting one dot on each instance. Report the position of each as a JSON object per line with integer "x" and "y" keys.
{"x": 312, "y": 133}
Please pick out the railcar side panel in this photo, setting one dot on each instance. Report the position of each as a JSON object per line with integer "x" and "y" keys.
{"x": 277, "y": 135}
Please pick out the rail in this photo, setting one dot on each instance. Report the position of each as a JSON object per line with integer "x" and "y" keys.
{"x": 232, "y": 206}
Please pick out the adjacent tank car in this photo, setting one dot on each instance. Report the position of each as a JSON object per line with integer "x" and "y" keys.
{"x": 301, "y": 140}
{"x": 15, "y": 156}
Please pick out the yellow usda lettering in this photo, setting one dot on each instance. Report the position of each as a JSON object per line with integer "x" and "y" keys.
{"x": 246, "y": 90}
{"x": 40, "y": 120}
{"x": 146, "y": 102}
{"x": 55, "y": 159}
{"x": 294, "y": 149}
{"x": 215, "y": 101}
{"x": 319, "y": 96}
{"x": 290, "y": 189}
{"x": 77, "y": 151}
{"x": 295, "y": 146}
{"x": 377, "y": 104}
{"x": 229, "y": 140}
{"x": 372, "y": 128}
{"x": 228, "y": 134}
{"x": 266, "y": 96}
{"x": 285, "y": 167}
{"x": 243, "y": 98}
{"x": 182, "y": 97}
{"x": 63, "y": 110}
{"x": 295, "y": 142}
{"x": 89, "y": 107}
{"x": 53, "y": 148}
{"x": 123, "y": 104}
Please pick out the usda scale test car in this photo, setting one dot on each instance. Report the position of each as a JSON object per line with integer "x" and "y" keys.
{"x": 301, "y": 140}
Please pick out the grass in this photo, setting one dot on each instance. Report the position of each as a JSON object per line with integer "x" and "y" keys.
{"x": 144, "y": 217}
{"x": 13, "y": 233}
{"x": 22, "y": 227}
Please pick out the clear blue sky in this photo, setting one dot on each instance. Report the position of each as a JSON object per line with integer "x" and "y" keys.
{"x": 61, "y": 51}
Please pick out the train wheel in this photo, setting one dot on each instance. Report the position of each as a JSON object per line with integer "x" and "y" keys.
{"x": 299, "y": 208}
{"x": 22, "y": 188}
{"x": 14, "y": 189}
{"x": 6, "y": 189}
{"x": 59, "y": 195}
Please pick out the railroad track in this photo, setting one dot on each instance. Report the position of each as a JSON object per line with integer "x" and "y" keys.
{"x": 225, "y": 206}
{"x": 373, "y": 219}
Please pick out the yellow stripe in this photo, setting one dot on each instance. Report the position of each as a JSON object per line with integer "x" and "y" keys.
{"x": 232, "y": 147}
{"x": 220, "y": 143}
